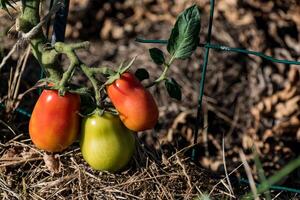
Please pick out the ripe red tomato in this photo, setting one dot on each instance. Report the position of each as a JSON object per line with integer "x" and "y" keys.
{"x": 137, "y": 108}
{"x": 54, "y": 123}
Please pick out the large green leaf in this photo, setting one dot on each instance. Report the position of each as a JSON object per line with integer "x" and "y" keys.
{"x": 184, "y": 37}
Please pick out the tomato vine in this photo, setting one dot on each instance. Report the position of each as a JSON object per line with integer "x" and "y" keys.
{"x": 181, "y": 45}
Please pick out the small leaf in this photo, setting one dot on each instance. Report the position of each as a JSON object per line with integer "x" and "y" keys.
{"x": 141, "y": 74}
{"x": 157, "y": 56}
{"x": 173, "y": 88}
{"x": 184, "y": 37}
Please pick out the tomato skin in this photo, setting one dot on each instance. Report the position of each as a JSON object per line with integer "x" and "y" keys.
{"x": 54, "y": 123}
{"x": 106, "y": 144}
{"x": 137, "y": 108}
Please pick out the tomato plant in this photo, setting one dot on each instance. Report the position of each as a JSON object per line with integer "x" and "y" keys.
{"x": 54, "y": 124}
{"x": 136, "y": 106}
{"x": 105, "y": 143}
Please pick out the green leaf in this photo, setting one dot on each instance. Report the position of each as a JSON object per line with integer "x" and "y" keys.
{"x": 173, "y": 88}
{"x": 141, "y": 74}
{"x": 184, "y": 37}
{"x": 157, "y": 56}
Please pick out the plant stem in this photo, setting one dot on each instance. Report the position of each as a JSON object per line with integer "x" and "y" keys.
{"x": 30, "y": 15}
{"x": 90, "y": 74}
{"x": 28, "y": 19}
{"x": 47, "y": 58}
{"x": 102, "y": 70}
{"x": 69, "y": 50}
{"x": 74, "y": 61}
{"x": 163, "y": 76}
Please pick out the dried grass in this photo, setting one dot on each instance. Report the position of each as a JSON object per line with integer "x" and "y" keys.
{"x": 150, "y": 175}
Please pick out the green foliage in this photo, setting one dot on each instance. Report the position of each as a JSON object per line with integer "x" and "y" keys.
{"x": 267, "y": 184}
{"x": 141, "y": 74}
{"x": 184, "y": 37}
{"x": 173, "y": 88}
{"x": 157, "y": 56}
{"x": 261, "y": 172}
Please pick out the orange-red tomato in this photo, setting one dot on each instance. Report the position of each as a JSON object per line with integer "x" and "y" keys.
{"x": 137, "y": 108}
{"x": 54, "y": 123}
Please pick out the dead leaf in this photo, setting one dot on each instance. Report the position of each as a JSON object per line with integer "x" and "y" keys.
{"x": 52, "y": 162}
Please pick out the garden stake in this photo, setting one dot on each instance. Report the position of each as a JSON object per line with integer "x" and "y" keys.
{"x": 60, "y": 23}
{"x": 202, "y": 81}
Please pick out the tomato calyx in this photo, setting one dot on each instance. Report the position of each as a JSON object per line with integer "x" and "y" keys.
{"x": 62, "y": 90}
{"x": 100, "y": 112}
{"x": 121, "y": 70}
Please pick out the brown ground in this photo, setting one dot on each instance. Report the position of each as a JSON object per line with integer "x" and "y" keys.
{"x": 248, "y": 102}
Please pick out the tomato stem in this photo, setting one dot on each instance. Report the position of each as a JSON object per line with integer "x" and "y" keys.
{"x": 29, "y": 20}
{"x": 69, "y": 50}
{"x": 102, "y": 70}
{"x": 163, "y": 76}
{"x": 48, "y": 56}
{"x": 90, "y": 74}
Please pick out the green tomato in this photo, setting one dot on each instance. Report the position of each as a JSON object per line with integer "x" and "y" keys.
{"x": 106, "y": 144}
